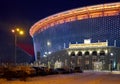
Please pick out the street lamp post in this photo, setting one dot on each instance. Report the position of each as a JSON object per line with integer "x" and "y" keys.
{"x": 15, "y": 37}
{"x": 48, "y": 47}
{"x": 16, "y": 32}
{"x": 48, "y": 52}
{"x": 111, "y": 62}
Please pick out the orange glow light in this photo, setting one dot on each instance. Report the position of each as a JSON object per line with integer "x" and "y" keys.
{"x": 18, "y": 29}
{"x": 13, "y": 31}
{"x": 21, "y": 32}
{"x": 76, "y": 14}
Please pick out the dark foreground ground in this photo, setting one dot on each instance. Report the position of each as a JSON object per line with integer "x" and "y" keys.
{"x": 88, "y": 77}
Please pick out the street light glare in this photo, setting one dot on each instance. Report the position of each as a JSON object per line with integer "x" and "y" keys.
{"x": 48, "y": 43}
{"x": 18, "y": 29}
{"x": 21, "y": 32}
{"x": 111, "y": 54}
{"x": 13, "y": 31}
{"x": 16, "y": 32}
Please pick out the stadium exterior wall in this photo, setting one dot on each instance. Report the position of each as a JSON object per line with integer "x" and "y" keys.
{"x": 100, "y": 22}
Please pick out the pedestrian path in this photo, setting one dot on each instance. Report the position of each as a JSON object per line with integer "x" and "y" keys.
{"x": 103, "y": 71}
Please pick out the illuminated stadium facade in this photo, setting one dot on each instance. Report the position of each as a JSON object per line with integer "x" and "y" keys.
{"x": 57, "y": 32}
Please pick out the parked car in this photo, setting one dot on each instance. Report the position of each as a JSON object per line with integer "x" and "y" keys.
{"x": 30, "y": 71}
{"x": 51, "y": 71}
{"x": 21, "y": 72}
{"x": 40, "y": 71}
{"x": 78, "y": 69}
{"x": 9, "y": 73}
{"x": 61, "y": 71}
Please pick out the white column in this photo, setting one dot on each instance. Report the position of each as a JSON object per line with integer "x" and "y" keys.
{"x": 114, "y": 43}
{"x": 64, "y": 45}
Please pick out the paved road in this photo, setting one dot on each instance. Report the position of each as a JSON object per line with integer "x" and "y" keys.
{"x": 76, "y": 78}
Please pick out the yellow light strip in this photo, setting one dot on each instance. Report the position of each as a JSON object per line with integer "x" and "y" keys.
{"x": 76, "y": 14}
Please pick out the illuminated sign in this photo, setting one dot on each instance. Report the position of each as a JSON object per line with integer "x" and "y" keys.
{"x": 89, "y": 45}
{"x": 86, "y": 41}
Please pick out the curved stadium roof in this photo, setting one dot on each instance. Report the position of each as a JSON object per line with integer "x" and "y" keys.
{"x": 76, "y": 14}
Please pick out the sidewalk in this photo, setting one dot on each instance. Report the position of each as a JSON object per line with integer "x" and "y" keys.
{"x": 106, "y": 71}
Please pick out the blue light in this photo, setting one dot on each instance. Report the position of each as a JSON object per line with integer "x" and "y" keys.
{"x": 114, "y": 64}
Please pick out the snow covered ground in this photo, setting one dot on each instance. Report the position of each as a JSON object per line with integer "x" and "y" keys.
{"x": 88, "y": 77}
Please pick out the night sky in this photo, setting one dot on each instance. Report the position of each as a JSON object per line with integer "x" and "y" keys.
{"x": 24, "y": 13}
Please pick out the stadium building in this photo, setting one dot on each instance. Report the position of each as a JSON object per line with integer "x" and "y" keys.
{"x": 86, "y": 37}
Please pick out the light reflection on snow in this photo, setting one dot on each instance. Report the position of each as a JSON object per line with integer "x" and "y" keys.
{"x": 88, "y": 77}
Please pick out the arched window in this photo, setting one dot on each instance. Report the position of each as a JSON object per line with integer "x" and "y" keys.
{"x": 102, "y": 53}
{"x": 94, "y": 53}
{"x": 86, "y": 53}
{"x": 79, "y": 53}
{"x": 72, "y": 54}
